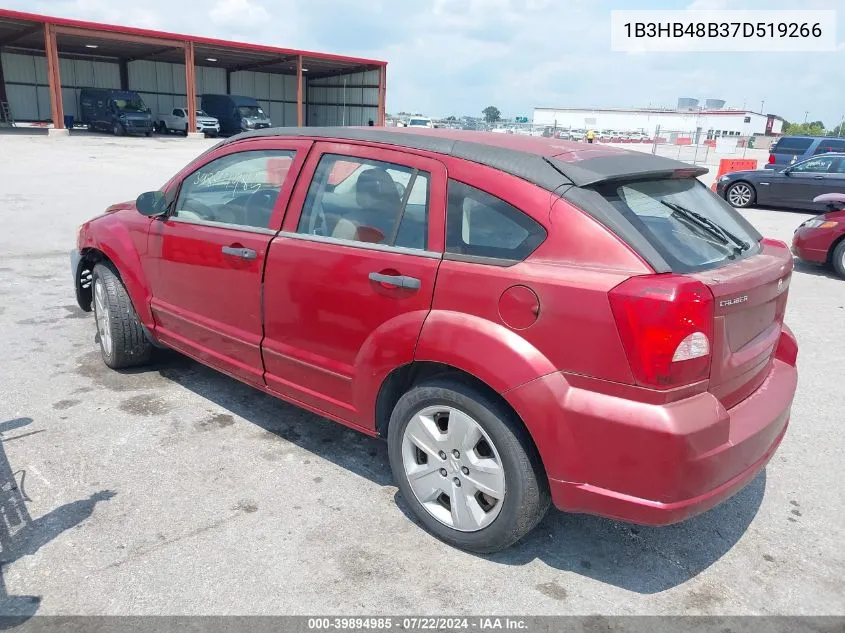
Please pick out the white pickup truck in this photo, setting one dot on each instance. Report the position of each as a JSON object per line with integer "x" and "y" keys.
{"x": 177, "y": 121}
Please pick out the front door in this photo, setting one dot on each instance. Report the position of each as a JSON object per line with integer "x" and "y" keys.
{"x": 350, "y": 279}
{"x": 210, "y": 250}
{"x": 805, "y": 181}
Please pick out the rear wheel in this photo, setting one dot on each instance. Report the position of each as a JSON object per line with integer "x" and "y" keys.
{"x": 837, "y": 258}
{"x": 741, "y": 195}
{"x": 465, "y": 466}
{"x": 123, "y": 342}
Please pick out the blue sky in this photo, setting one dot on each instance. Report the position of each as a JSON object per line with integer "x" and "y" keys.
{"x": 458, "y": 56}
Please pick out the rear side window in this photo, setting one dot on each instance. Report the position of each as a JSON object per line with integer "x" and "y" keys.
{"x": 830, "y": 145}
{"x": 481, "y": 225}
{"x": 792, "y": 145}
{"x": 685, "y": 222}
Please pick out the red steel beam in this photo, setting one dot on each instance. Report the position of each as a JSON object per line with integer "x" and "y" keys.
{"x": 382, "y": 95}
{"x": 53, "y": 78}
{"x": 299, "y": 116}
{"x": 191, "y": 87}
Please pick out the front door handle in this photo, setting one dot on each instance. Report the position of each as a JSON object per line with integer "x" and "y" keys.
{"x": 399, "y": 281}
{"x": 239, "y": 251}
{"x": 818, "y": 177}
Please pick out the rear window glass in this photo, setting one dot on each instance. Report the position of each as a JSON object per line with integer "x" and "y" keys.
{"x": 831, "y": 145}
{"x": 792, "y": 145}
{"x": 684, "y": 221}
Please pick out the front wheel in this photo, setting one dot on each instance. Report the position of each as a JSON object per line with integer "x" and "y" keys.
{"x": 837, "y": 258}
{"x": 123, "y": 342}
{"x": 117, "y": 129}
{"x": 741, "y": 195}
{"x": 466, "y": 466}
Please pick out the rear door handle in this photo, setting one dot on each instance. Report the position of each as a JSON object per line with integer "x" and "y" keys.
{"x": 239, "y": 251}
{"x": 818, "y": 177}
{"x": 399, "y": 281}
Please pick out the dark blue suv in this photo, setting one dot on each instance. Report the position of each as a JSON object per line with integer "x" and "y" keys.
{"x": 792, "y": 149}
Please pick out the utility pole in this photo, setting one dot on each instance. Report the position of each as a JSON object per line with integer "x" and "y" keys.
{"x": 841, "y": 125}
{"x": 806, "y": 112}
{"x": 762, "y": 103}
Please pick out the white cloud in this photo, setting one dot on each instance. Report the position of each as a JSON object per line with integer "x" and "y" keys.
{"x": 239, "y": 15}
{"x": 458, "y": 56}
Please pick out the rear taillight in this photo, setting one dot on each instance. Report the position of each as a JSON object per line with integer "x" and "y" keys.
{"x": 771, "y": 159}
{"x": 666, "y": 326}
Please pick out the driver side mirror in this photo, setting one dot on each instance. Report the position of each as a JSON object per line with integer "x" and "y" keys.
{"x": 151, "y": 204}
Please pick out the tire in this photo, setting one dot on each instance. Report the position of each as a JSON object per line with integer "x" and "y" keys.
{"x": 118, "y": 129}
{"x": 123, "y": 342}
{"x": 185, "y": 131}
{"x": 519, "y": 477}
{"x": 149, "y": 133}
{"x": 741, "y": 195}
{"x": 837, "y": 258}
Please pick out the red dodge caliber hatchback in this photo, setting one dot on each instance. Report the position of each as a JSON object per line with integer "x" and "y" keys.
{"x": 527, "y": 321}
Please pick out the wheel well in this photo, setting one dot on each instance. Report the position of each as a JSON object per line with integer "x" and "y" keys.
{"x": 88, "y": 258}
{"x": 401, "y": 379}
{"x": 745, "y": 182}
{"x": 833, "y": 246}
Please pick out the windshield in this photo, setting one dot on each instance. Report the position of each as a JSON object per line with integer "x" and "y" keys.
{"x": 130, "y": 105}
{"x": 688, "y": 225}
{"x": 250, "y": 112}
{"x": 419, "y": 122}
{"x": 201, "y": 113}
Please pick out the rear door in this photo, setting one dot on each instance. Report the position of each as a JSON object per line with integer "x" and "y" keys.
{"x": 350, "y": 279}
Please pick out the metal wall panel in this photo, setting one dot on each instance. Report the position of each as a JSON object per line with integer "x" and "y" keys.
{"x": 22, "y": 68}
{"x": 210, "y": 80}
{"x": 164, "y": 78}
{"x": 106, "y": 75}
{"x": 23, "y": 102}
{"x": 142, "y": 75}
{"x": 328, "y": 95}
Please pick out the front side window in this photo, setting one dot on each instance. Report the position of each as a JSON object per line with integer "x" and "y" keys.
{"x": 132, "y": 104}
{"x": 365, "y": 200}
{"x": 481, "y": 225}
{"x": 818, "y": 165}
{"x": 238, "y": 189}
{"x": 250, "y": 112}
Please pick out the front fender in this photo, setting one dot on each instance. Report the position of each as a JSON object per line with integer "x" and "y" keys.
{"x": 113, "y": 238}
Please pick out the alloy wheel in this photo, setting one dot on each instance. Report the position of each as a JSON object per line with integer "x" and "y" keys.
{"x": 101, "y": 313}
{"x": 740, "y": 195}
{"x": 453, "y": 468}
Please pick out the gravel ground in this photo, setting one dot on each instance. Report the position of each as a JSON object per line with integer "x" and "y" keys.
{"x": 175, "y": 490}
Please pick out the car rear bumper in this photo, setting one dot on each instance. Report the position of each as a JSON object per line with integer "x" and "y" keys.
{"x": 655, "y": 464}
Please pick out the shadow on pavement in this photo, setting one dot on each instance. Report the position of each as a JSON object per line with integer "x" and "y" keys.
{"x": 640, "y": 559}
{"x": 20, "y": 535}
{"x": 818, "y": 270}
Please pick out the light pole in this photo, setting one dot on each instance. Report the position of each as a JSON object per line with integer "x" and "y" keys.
{"x": 762, "y": 103}
{"x": 841, "y": 125}
{"x": 806, "y": 112}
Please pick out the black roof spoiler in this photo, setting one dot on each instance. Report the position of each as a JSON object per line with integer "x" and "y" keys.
{"x": 630, "y": 165}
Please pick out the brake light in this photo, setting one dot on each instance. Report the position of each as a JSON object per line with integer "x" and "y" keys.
{"x": 771, "y": 159}
{"x": 666, "y": 326}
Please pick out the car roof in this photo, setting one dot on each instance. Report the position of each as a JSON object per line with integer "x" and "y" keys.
{"x": 547, "y": 162}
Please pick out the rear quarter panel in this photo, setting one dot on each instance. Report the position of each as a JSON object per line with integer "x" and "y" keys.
{"x": 571, "y": 273}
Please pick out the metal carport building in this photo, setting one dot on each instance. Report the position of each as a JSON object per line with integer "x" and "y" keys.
{"x": 46, "y": 61}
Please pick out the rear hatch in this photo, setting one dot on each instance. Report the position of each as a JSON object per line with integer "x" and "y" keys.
{"x": 787, "y": 150}
{"x": 749, "y": 303}
{"x": 721, "y": 290}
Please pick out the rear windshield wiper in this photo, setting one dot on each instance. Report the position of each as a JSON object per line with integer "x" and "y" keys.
{"x": 709, "y": 225}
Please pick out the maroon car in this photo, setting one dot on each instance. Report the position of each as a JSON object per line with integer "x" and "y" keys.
{"x": 525, "y": 320}
{"x": 821, "y": 240}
